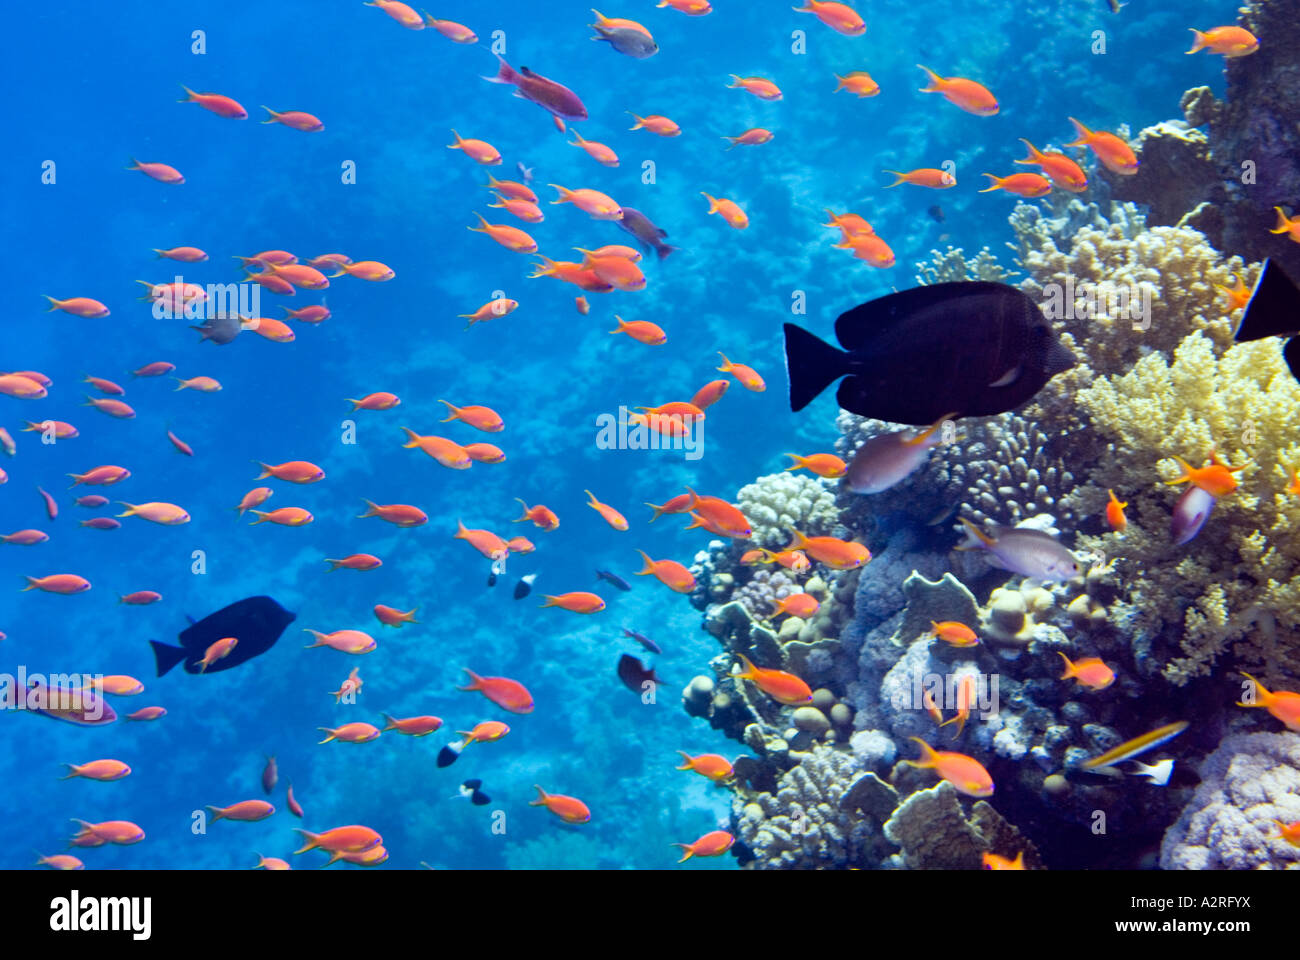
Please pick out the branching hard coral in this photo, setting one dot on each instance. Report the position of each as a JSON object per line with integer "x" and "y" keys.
{"x": 1005, "y": 469}
{"x": 1237, "y": 582}
{"x": 1249, "y": 782}
{"x": 952, "y": 266}
{"x": 780, "y": 500}
{"x": 806, "y": 823}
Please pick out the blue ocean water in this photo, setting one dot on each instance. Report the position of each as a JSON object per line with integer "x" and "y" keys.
{"x": 107, "y": 78}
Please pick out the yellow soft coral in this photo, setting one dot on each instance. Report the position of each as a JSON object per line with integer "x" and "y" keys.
{"x": 1240, "y": 578}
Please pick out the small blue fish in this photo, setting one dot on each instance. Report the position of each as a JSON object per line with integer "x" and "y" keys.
{"x": 643, "y": 640}
{"x": 614, "y": 579}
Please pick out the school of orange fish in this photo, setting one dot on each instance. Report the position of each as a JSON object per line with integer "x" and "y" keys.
{"x": 602, "y": 270}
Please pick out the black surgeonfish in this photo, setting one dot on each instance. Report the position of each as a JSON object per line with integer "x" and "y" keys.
{"x": 1274, "y": 311}
{"x": 255, "y": 622}
{"x": 973, "y": 347}
{"x": 635, "y": 674}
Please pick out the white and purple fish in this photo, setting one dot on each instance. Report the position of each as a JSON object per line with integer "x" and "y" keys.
{"x": 889, "y": 458}
{"x": 1023, "y": 550}
{"x": 1190, "y": 513}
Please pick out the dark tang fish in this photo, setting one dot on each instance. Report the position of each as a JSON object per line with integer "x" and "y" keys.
{"x": 634, "y": 673}
{"x": 972, "y": 347}
{"x": 256, "y": 623}
{"x": 647, "y": 234}
{"x": 1274, "y": 311}
{"x": 553, "y": 97}
{"x": 220, "y": 329}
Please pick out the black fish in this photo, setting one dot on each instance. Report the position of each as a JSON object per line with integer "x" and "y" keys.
{"x": 492, "y": 579}
{"x": 647, "y": 234}
{"x": 643, "y": 640}
{"x": 936, "y": 212}
{"x": 613, "y": 578}
{"x": 256, "y": 623}
{"x": 448, "y": 754}
{"x": 970, "y": 348}
{"x": 220, "y": 329}
{"x": 1274, "y": 311}
{"x": 470, "y": 790}
{"x": 634, "y": 673}
{"x": 525, "y": 586}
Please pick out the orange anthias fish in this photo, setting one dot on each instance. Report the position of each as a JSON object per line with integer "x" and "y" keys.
{"x": 780, "y": 686}
{"x": 249, "y": 811}
{"x": 578, "y": 601}
{"x": 643, "y": 331}
{"x": 398, "y": 514}
{"x": 954, "y": 633}
{"x": 351, "y": 733}
{"x": 924, "y": 177}
{"x": 869, "y": 248}
{"x": 840, "y": 17}
{"x": 611, "y": 516}
{"x": 598, "y": 205}
{"x": 452, "y": 30}
{"x": 568, "y": 809}
{"x": 447, "y": 452}
{"x": 1235, "y": 297}
{"x": 750, "y": 138}
{"x": 656, "y": 124}
{"x": 297, "y": 119}
{"x": 1229, "y": 41}
{"x": 392, "y": 617}
{"x": 541, "y": 516}
{"x": 505, "y": 693}
{"x": 485, "y": 732}
{"x": 992, "y": 861}
{"x": 717, "y": 768}
{"x": 717, "y": 516}
{"x": 512, "y": 238}
{"x": 965, "y": 773}
{"x": 1288, "y": 225}
{"x": 412, "y": 726}
{"x": 728, "y": 210}
{"x": 1115, "y": 518}
{"x": 710, "y": 393}
{"x": 801, "y": 605}
{"x": 295, "y": 471}
{"x": 760, "y": 87}
{"x": 1029, "y": 185}
{"x": 668, "y": 572}
{"x": 597, "y": 151}
{"x": 484, "y": 541}
{"x": 216, "y": 103}
{"x": 965, "y": 697}
{"x": 1216, "y": 479}
{"x": 835, "y": 553}
{"x": 1090, "y": 672}
{"x": 747, "y": 376}
{"x": 858, "y": 82}
{"x": 1282, "y": 704}
{"x": 1114, "y": 154}
{"x": 823, "y": 464}
{"x": 1063, "y": 171}
{"x": 970, "y": 96}
{"x": 400, "y": 12}
{"x": 216, "y": 651}
{"x": 712, "y": 844}
{"x": 479, "y": 150}
{"x": 480, "y": 418}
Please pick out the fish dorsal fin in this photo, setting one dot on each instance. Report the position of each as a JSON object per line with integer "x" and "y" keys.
{"x": 857, "y": 327}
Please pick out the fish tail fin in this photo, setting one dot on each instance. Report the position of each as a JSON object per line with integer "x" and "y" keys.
{"x": 748, "y": 670}
{"x": 659, "y": 510}
{"x": 1263, "y": 696}
{"x": 505, "y": 72}
{"x": 898, "y": 178}
{"x": 995, "y": 183}
{"x": 664, "y": 249}
{"x": 271, "y": 118}
{"x": 713, "y": 203}
{"x": 686, "y": 846}
{"x": 73, "y": 768}
{"x": 54, "y": 304}
{"x": 649, "y": 567}
{"x": 217, "y": 813}
{"x": 1035, "y": 155}
{"x": 330, "y": 732}
{"x": 166, "y": 656}
{"x": 687, "y": 757}
{"x": 1283, "y": 222}
{"x": 525, "y": 508}
{"x": 312, "y": 840}
{"x": 372, "y": 509}
{"x": 1069, "y": 667}
{"x": 475, "y": 681}
{"x": 977, "y": 538}
{"x": 461, "y": 530}
{"x": 936, "y": 82}
{"x": 1082, "y": 132}
{"x": 390, "y": 723}
{"x": 622, "y": 324}
{"x": 1200, "y": 40}
{"x": 928, "y": 756}
{"x": 798, "y": 461}
{"x": 541, "y": 797}
{"x": 812, "y": 365}
{"x": 550, "y": 601}
{"x": 451, "y": 412}
{"x": 1273, "y": 308}
{"x": 797, "y": 540}
{"x": 266, "y": 470}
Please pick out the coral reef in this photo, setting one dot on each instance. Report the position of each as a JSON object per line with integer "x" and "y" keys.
{"x": 1253, "y": 158}
{"x": 935, "y": 834}
{"x": 952, "y": 266}
{"x": 780, "y": 500}
{"x": 1238, "y": 582}
{"x": 1247, "y": 783}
